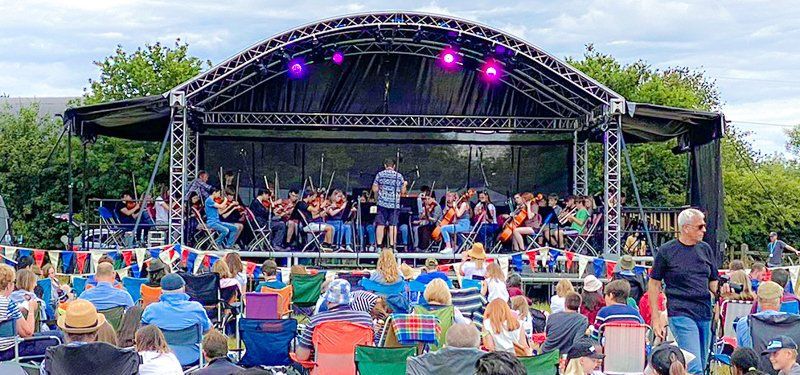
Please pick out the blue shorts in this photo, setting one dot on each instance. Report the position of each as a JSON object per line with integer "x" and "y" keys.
{"x": 387, "y": 216}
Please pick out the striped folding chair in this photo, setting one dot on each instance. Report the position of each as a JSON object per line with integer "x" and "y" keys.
{"x": 625, "y": 347}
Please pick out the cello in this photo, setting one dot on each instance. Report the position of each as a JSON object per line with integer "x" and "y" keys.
{"x": 450, "y": 216}
{"x": 516, "y": 221}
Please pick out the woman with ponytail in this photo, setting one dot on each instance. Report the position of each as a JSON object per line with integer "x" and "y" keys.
{"x": 666, "y": 359}
{"x": 745, "y": 362}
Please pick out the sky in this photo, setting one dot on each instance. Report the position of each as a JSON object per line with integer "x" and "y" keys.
{"x": 751, "y": 48}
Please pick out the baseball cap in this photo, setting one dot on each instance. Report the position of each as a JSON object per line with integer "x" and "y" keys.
{"x": 769, "y": 290}
{"x": 338, "y": 292}
{"x": 773, "y": 234}
{"x": 585, "y": 348}
{"x": 172, "y": 282}
{"x": 778, "y": 343}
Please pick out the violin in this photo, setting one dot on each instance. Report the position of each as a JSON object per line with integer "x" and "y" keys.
{"x": 448, "y": 218}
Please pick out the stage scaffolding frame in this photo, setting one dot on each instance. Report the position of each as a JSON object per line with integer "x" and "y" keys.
{"x": 578, "y": 104}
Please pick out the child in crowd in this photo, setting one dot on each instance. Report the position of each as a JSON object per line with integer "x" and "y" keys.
{"x": 494, "y": 286}
{"x": 520, "y": 305}
{"x": 563, "y": 288}
{"x": 617, "y": 309}
{"x": 270, "y": 271}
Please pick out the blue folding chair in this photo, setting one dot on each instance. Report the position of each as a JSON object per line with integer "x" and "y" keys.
{"x": 134, "y": 286}
{"x": 267, "y": 342}
{"x": 35, "y": 346}
{"x": 791, "y": 307}
{"x": 187, "y": 343}
{"x": 47, "y": 297}
{"x": 384, "y": 289}
{"x": 79, "y": 285}
{"x": 469, "y": 283}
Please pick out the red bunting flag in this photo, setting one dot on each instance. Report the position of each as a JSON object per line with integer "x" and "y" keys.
{"x": 81, "y": 261}
{"x": 444, "y": 267}
{"x": 126, "y": 256}
{"x": 489, "y": 260}
{"x": 250, "y": 267}
{"x": 207, "y": 261}
{"x": 610, "y": 268}
{"x": 532, "y": 259}
{"x": 38, "y": 256}
{"x": 184, "y": 256}
{"x": 570, "y": 256}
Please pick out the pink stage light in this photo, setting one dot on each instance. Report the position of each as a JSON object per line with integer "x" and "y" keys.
{"x": 448, "y": 58}
{"x": 492, "y": 70}
{"x": 338, "y": 58}
{"x": 297, "y": 68}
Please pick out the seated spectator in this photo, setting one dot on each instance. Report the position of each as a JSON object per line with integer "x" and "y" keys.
{"x": 636, "y": 281}
{"x": 494, "y": 285}
{"x": 387, "y": 271}
{"x": 431, "y": 271}
{"x": 738, "y": 278}
{"x": 474, "y": 262}
{"x": 236, "y": 269}
{"x": 520, "y": 306}
{"x": 644, "y": 306}
{"x": 59, "y": 292}
{"x": 457, "y": 357}
{"x": 226, "y": 279}
{"x": 174, "y": 311}
{"x": 563, "y": 288}
{"x": 502, "y": 330}
{"x": 215, "y": 351}
{"x": 157, "y": 358}
{"x": 616, "y": 309}
{"x": 591, "y": 298}
{"x": 270, "y": 271}
{"x": 744, "y": 361}
{"x": 782, "y": 352}
{"x": 565, "y": 327}
{"x": 155, "y": 271}
{"x": 757, "y": 273}
{"x": 24, "y": 296}
{"x": 666, "y": 359}
{"x": 514, "y": 285}
{"x": 736, "y": 265}
{"x": 80, "y": 325}
{"x": 107, "y": 334}
{"x": 438, "y": 297}
{"x": 338, "y": 300}
{"x": 499, "y": 363}
{"x": 781, "y": 277}
{"x": 9, "y": 310}
{"x": 105, "y": 296}
{"x": 769, "y": 298}
{"x": 583, "y": 357}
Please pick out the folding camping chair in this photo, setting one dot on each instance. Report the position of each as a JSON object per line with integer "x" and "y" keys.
{"x": 134, "y": 286}
{"x": 444, "y": 317}
{"x": 114, "y": 316}
{"x": 79, "y": 285}
{"x": 403, "y": 330}
{"x": 205, "y": 289}
{"x": 306, "y": 289}
{"x": 182, "y": 342}
{"x": 261, "y": 234}
{"x": 625, "y": 347}
{"x": 470, "y": 302}
{"x": 208, "y": 239}
{"x": 36, "y": 345}
{"x": 384, "y": 361}
{"x": 92, "y": 358}
{"x": 542, "y": 364}
{"x": 468, "y": 238}
{"x": 149, "y": 294}
{"x": 334, "y": 348}
{"x": 734, "y": 310}
{"x": 283, "y": 303}
{"x": 581, "y": 240}
{"x": 267, "y": 342}
{"x": 115, "y": 231}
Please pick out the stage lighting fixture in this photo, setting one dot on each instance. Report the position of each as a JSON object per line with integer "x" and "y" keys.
{"x": 338, "y": 57}
{"x": 418, "y": 36}
{"x": 448, "y": 58}
{"x": 296, "y": 67}
{"x": 492, "y": 70}
{"x": 261, "y": 68}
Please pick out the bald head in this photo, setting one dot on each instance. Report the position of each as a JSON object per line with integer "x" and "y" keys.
{"x": 463, "y": 336}
{"x": 105, "y": 272}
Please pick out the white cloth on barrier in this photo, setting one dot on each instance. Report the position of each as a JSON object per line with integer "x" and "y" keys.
{"x": 9, "y": 252}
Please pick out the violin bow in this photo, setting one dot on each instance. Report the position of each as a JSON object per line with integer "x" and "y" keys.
{"x": 133, "y": 180}
{"x": 330, "y": 183}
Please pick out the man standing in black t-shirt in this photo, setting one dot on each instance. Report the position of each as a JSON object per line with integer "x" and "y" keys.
{"x": 687, "y": 266}
{"x": 775, "y": 248}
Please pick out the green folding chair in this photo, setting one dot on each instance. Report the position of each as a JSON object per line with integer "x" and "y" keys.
{"x": 306, "y": 289}
{"x": 542, "y": 364}
{"x": 383, "y": 361}
{"x": 114, "y": 316}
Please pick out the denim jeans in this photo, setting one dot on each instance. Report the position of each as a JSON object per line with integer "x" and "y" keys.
{"x": 460, "y": 226}
{"x": 370, "y": 229}
{"x": 226, "y": 231}
{"x": 694, "y": 337}
{"x": 341, "y": 231}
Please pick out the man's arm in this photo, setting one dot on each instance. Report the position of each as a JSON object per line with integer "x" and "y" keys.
{"x": 375, "y": 187}
{"x": 653, "y": 291}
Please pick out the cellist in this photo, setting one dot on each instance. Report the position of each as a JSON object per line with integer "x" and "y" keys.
{"x": 461, "y": 219}
{"x": 530, "y": 225}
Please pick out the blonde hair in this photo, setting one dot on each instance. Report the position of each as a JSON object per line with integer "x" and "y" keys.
{"x": 499, "y": 314}
{"x": 741, "y": 278}
{"x": 564, "y": 287}
{"x": 6, "y": 275}
{"x": 436, "y": 293}
{"x": 387, "y": 266}
{"x": 26, "y": 280}
{"x": 520, "y": 305}
{"x": 493, "y": 271}
{"x": 222, "y": 269}
{"x": 574, "y": 367}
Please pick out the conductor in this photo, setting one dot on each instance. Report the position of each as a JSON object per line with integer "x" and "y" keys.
{"x": 389, "y": 185}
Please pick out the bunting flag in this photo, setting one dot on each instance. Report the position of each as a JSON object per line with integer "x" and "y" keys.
{"x": 285, "y": 273}
{"x": 553, "y": 258}
{"x": 24, "y": 253}
{"x": 443, "y": 267}
{"x": 140, "y": 253}
{"x": 639, "y": 270}
{"x": 122, "y": 272}
{"x": 207, "y": 261}
{"x": 250, "y": 267}
{"x": 80, "y": 264}
{"x": 570, "y": 256}
{"x": 113, "y": 255}
{"x": 599, "y": 267}
{"x": 154, "y": 252}
{"x": 54, "y": 256}
{"x": 544, "y": 259}
{"x": 610, "y": 268}
{"x": 489, "y": 260}
{"x": 172, "y": 250}
{"x": 10, "y": 253}
{"x": 66, "y": 261}
{"x": 38, "y": 257}
{"x": 257, "y": 273}
{"x": 211, "y": 260}
{"x": 582, "y": 263}
{"x": 136, "y": 271}
{"x": 200, "y": 261}
{"x": 184, "y": 256}
{"x": 127, "y": 257}
{"x": 503, "y": 263}
{"x": 532, "y": 259}
{"x": 96, "y": 255}
{"x": 190, "y": 259}
{"x": 516, "y": 260}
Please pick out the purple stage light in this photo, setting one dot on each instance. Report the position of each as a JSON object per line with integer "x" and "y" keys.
{"x": 337, "y": 58}
{"x": 491, "y": 70}
{"x": 297, "y": 68}
{"x": 449, "y": 58}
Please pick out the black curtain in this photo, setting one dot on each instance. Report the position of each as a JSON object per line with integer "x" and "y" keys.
{"x": 706, "y": 192}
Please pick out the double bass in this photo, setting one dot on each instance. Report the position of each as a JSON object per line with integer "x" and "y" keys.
{"x": 516, "y": 221}
{"x": 450, "y": 216}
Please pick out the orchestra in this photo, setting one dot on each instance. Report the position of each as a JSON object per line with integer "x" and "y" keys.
{"x": 348, "y": 221}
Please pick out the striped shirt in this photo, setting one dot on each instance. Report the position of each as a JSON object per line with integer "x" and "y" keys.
{"x": 341, "y": 313}
{"x": 362, "y": 300}
{"x": 617, "y": 313}
{"x": 8, "y": 310}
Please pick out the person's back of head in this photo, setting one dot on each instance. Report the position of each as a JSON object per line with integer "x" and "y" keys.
{"x": 618, "y": 291}
{"x": 149, "y": 338}
{"x": 745, "y": 361}
{"x": 563, "y": 287}
{"x": 270, "y": 268}
{"x": 499, "y": 363}
{"x": 463, "y": 335}
{"x": 769, "y": 296}
{"x": 666, "y": 359}
{"x": 736, "y": 265}
{"x": 215, "y": 345}
{"x": 514, "y": 281}
{"x": 26, "y": 280}
{"x": 572, "y": 302}
{"x": 105, "y": 272}
{"x": 780, "y": 276}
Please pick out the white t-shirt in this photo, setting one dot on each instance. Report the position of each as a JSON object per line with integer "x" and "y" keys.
{"x": 496, "y": 289}
{"x": 556, "y": 304}
{"x": 527, "y": 325}
{"x": 471, "y": 269}
{"x": 503, "y": 341}
{"x": 162, "y": 215}
{"x": 154, "y": 363}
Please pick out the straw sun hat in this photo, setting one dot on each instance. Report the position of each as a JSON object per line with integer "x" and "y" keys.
{"x": 81, "y": 317}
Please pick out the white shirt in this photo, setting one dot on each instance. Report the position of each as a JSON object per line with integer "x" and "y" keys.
{"x": 527, "y": 325}
{"x": 496, "y": 289}
{"x": 556, "y": 304}
{"x": 503, "y": 341}
{"x": 162, "y": 215}
{"x": 154, "y": 363}
{"x": 469, "y": 269}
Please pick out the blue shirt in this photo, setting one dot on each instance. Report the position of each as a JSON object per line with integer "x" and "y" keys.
{"x": 742, "y": 327}
{"x": 175, "y": 312}
{"x": 104, "y": 296}
{"x": 390, "y": 183}
{"x": 425, "y": 278}
{"x": 617, "y": 313}
{"x": 212, "y": 213}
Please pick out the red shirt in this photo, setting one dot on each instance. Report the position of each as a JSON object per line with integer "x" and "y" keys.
{"x": 644, "y": 306}
{"x": 592, "y": 314}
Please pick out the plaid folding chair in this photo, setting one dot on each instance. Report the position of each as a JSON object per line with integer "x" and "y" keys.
{"x": 417, "y": 330}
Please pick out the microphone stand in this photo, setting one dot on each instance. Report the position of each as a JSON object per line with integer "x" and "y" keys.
{"x": 397, "y": 198}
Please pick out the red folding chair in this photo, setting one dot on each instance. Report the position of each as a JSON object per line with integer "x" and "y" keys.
{"x": 335, "y": 346}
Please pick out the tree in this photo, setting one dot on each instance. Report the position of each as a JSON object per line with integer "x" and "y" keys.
{"x": 793, "y": 145}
